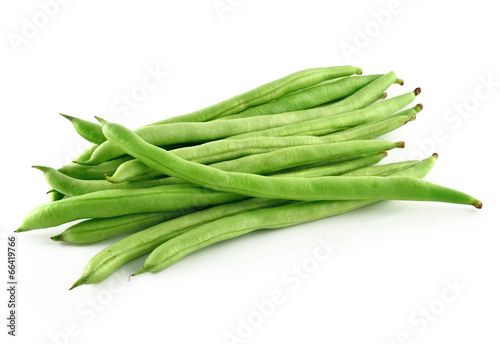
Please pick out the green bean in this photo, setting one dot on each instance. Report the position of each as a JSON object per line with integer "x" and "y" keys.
{"x": 304, "y": 155}
{"x": 93, "y": 172}
{"x": 328, "y": 124}
{"x": 138, "y": 244}
{"x": 260, "y": 163}
{"x": 200, "y": 132}
{"x": 335, "y": 169}
{"x": 324, "y": 188}
{"x": 309, "y": 98}
{"x": 384, "y": 170}
{"x": 91, "y": 132}
{"x": 111, "y": 203}
{"x": 265, "y": 93}
{"x": 95, "y": 230}
{"x": 87, "y": 153}
{"x": 375, "y": 129}
{"x": 277, "y": 217}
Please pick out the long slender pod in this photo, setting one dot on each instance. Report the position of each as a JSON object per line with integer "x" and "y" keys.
{"x": 323, "y": 188}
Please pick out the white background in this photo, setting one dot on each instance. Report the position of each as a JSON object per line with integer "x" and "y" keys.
{"x": 393, "y": 258}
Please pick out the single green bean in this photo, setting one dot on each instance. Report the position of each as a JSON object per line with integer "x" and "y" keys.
{"x": 91, "y": 132}
{"x": 94, "y": 172}
{"x": 277, "y": 217}
{"x": 309, "y": 98}
{"x": 200, "y": 132}
{"x": 95, "y": 230}
{"x": 324, "y": 188}
{"x": 111, "y": 203}
{"x": 375, "y": 129}
{"x": 336, "y": 169}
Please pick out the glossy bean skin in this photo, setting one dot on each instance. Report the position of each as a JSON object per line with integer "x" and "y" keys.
{"x": 277, "y": 217}
{"x": 200, "y": 132}
{"x": 309, "y": 98}
{"x": 323, "y": 188}
{"x": 265, "y": 93}
{"x": 108, "y": 260}
{"x": 95, "y": 230}
{"x": 91, "y": 132}
{"x": 260, "y": 163}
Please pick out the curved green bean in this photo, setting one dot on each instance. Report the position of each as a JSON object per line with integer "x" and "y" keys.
{"x": 94, "y": 172}
{"x": 260, "y": 163}
{"x": 111, "y": 203}
{"x": 95, "y": 230}
{"x": 91, "y": 132}
{"x": 324, "y": 188}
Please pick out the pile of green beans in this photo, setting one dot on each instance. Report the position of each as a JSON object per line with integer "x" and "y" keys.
{"x": 300, "y": 148}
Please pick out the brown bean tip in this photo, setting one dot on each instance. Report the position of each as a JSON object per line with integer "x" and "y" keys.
{"x": 417, "y": 91}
